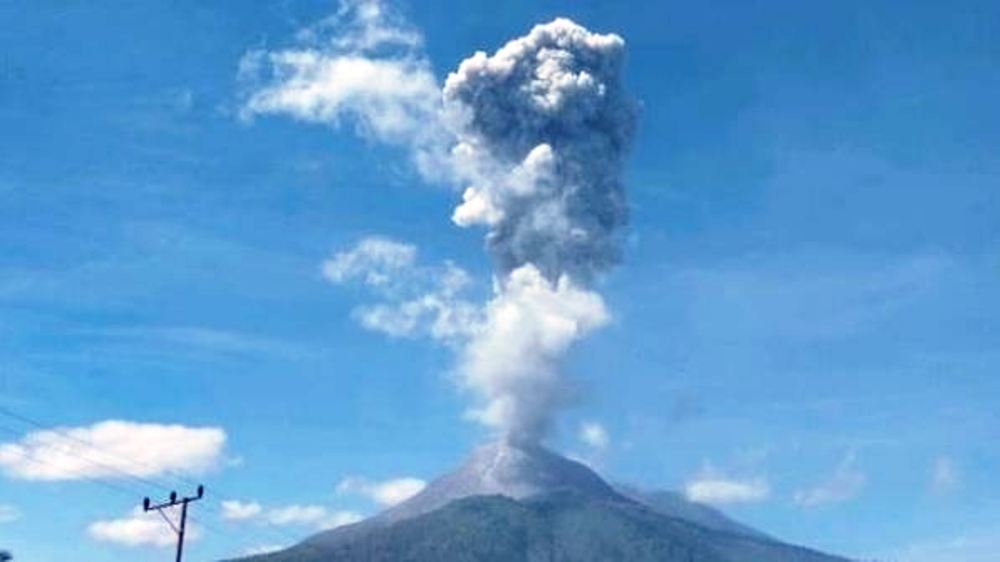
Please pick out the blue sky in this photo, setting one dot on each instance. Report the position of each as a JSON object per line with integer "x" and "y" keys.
{"x": 806, "y": 309}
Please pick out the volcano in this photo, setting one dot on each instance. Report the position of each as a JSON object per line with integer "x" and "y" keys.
{"x": 513, "y": 502}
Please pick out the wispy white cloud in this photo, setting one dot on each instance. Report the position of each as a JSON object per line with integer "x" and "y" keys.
{"x": 376, "y": 260}
{"x": 204, "y": 338}
{"x": 317, "y": 516}
{"x": 140, "y": 529}
{"x": 9, "y": 513}
{"x": 386, "y": 492}
{"x": 416, "y": 299}
{"x": 945, "y": 476}
{"x": 975, "y": 545}
{"x": 110, "y": 448}
{"x": 262, "y": 549}
{"x": 234, "y": 510}
{"x": 297, "y": 514}
{"x": 713, "y": 487}
{"x": 594, "y": 435}
{"x": 364, "y": 64}
{"x": 845, "y": 484}
{"x": 339, "y": 519}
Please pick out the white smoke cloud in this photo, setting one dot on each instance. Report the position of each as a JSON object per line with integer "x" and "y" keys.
{"x": 509, "y": 348}
{"x": 111, "y": 448}
{"x": 543, "y": 127}
{"x": 536, "y": 135}
{"x": 511, "y": 364}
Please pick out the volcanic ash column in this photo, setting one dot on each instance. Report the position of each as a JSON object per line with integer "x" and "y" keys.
{"x": 543, "y": 127}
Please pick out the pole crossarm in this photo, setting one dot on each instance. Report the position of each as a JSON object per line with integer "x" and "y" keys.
{"x": 167, "y": 519}
{"x": 174, "y": 501}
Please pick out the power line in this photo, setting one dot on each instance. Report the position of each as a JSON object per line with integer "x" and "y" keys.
{"x": 69, "y": 436}
{"x": 132, "y": 492}
{"x": 91, "y": 479}
{"x": 271, "y": 528}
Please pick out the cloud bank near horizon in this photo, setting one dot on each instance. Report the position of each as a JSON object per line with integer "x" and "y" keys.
{"x": 535, "y": 135}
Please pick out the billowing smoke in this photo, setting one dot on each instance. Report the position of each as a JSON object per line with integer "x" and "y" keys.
{"x": 543, "y": 127}
{"x": 512, "y": 360}
{"x": 542, "y": 130}
{"x": 536, "y": 136}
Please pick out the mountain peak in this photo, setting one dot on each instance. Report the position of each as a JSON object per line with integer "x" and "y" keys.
{"x": 509, "y": 468}
{"x": 516, "y": 501}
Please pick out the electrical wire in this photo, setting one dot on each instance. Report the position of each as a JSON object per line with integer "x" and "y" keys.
{"x": 130, "y": 490}
{"x": 271, "y": 528}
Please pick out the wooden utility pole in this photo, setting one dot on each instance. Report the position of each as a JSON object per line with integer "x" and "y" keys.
{"x": 174, "y": 501}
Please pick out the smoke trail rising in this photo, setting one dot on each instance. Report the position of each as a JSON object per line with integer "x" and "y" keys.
{"x": 536, "y": 134}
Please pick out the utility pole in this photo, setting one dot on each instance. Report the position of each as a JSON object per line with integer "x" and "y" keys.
{"x": 174, "y": 501}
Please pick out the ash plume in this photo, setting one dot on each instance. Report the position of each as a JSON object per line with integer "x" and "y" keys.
{"x": 543, "y": 127}
{"x": 536, "y": 136}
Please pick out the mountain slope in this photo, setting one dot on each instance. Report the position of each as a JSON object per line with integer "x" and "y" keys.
{"x": 517, "y": 503}
{"x": 561, "y": 526}
{"x": 677, "y": 506}
{"x": 504, "y": 468}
